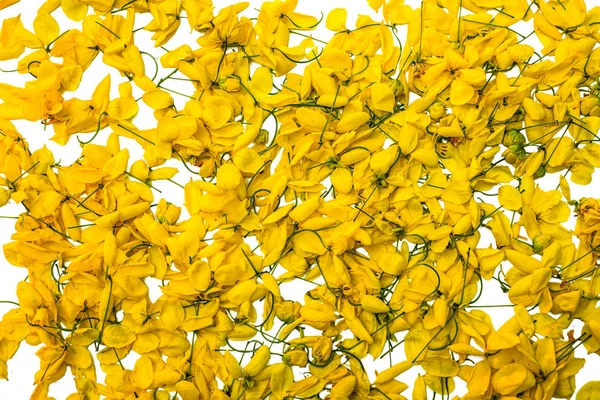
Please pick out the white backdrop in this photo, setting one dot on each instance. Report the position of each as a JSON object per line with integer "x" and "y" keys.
{"x": 25, "y": 363}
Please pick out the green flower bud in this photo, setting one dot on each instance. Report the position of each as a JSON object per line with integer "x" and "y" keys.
{"x": 518, "y": 151}
{"x": 262, "y": 137}
{"x": 541, "y": 171}
{"x": 512, "y": 137}
{"x": 540, "y": 242}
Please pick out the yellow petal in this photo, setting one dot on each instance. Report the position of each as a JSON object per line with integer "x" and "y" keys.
{"x": 101, "y": 95}
{"x": 440, "y": 366}
{"x": 317, "y": 312}
{"x": 46, "y": 28}
{"x": 509, "y": 378}
{"x": 589, "y": 391}
{"x": 545, "y": 354}
{"x": 341, "y": 179}
{"x": 79, "y": 357}
{"x": 501, "y": 340}
{"x": 534, "y": 110}
{"x": 117, "y": 335}
{"x": 261, "y": 83}
{"x": 228, "y": 177}
{"x": 158, "y": 99}
{"x": 282, "y": 378}
{"x": 358, "y": 328}
{"x": 305, "y": 209}
{"x": 259, "y": 361}
{"x": 74, "y": 9}
{"x": 408, "y": 138}
{"x": 336, "y": 19}
{"x": 460, "y": 92}
{"x": 480, "y": 378}
{"x": 392, "y": 372}
{"x": 351, "y": 121}
{"x": 248, "y": 160}
{"x": 196, "y": 323}
{"x": 143, "y": 372}
{"x": 311, "y": 120}
{"x": 46, "y": 203}
{"x": 373, "y": 304}
{"x": 510, "y": 198}
{"x": 383, "y": 97}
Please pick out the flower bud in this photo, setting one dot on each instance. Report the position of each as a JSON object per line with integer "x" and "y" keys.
{"x": 287, "y": 311}
{"x": 262, "y": 137}
{"x": 229, "y": 84}
{"x": 541, "y": 171}
{"x": 167, "y": 212}
{"x": 540, "y": 242}
{"x": 459, "y": 47}
{"x": 396, "y": 87}
{"x": 518, "y": 151}
{"x": 322, "y": 349}
{"x": 513, "y": 137}
{"x": 437, "y": 111}
{"x": 296, "y": 357}
{"x": 172, "y": 214}
{"x": 511, "y": 158}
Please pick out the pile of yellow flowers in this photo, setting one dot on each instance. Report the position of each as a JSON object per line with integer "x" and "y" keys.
{"x": 387, "y": 173}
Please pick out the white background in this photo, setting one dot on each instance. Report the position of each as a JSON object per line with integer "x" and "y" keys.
{"x": 25, "y": 363}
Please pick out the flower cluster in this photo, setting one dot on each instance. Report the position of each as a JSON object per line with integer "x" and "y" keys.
{"x": 387, "y": 173}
